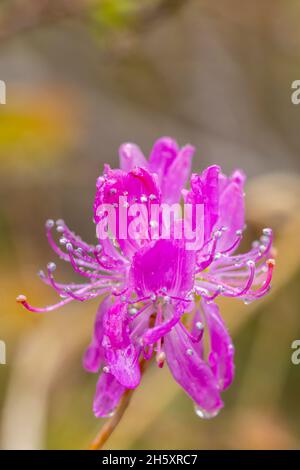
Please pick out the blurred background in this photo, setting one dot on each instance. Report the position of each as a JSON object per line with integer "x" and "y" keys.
{"x": 84, "y": 76}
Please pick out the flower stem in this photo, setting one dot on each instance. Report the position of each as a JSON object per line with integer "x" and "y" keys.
{"x": 112, "y": 423}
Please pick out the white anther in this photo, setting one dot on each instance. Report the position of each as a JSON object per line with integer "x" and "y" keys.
{"x": 50, "y": 223}
{"x": 51, "y": 267}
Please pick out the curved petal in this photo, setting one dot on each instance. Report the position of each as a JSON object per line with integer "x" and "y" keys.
{"x": 120, "y": 190}
{"x": 108, "y": 394}
{"x": 222, "y": 350}
{"x": 205, "y": 190}
{"x": 231, "y": 209}
{"x": 192, "y": 372}
{"x": 163, "y": 153}
{"x": 120, "y": 353}
{"x": 177, "y": 175}
{"x": 154, "y": 334}
{"x": 131, "y": 156}
{"x": 163, "y": 264}
{"x": 93, "y": 356}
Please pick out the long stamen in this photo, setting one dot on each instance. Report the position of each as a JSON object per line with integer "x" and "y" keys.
{"x": 22, "y": 299}
{"x": 239, "y": 234}
{"x": 194, "y": 339}
{"x": 160, "y": 355}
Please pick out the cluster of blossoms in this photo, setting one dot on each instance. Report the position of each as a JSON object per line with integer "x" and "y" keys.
{"x": 157, "y": 295}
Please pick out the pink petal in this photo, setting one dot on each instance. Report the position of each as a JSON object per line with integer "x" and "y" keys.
{"x": 205, "y": 190}
{"x": 120, "y": 353}
{"x": 191, "y": 371}
{"x": 108, "y": 394}
{"x": 131, "y": 156}
{"x": 197, "y": 332}
{"x": 222, "y": 350}
{"x": 162, "y": 155}
{"x": 231, "y": 209}
{"x": 177, "y": 175}
{"x": 137, "y": 186}
{"x": 163, "y": 264}
{"x": 93, "y": 356}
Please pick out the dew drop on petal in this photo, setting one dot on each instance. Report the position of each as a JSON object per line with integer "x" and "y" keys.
{"x": 204, "y": 414}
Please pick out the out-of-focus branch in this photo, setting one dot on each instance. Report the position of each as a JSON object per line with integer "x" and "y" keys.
{"x": 20, "y": 16}
{"x": 148, "y": 15}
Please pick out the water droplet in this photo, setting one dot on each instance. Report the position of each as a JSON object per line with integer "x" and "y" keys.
{"x": 199, "y": 325}
{"x": 267, "y": 231}
{"x": 132, "y": 311}
{"x": 51, "y": 266}
{"x": 49, "y": 223}
{"x": 189, "y": 352}
{"x": 204, "y": 414}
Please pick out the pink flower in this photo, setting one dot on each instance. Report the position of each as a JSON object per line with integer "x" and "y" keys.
{"x": 158, "y": 292}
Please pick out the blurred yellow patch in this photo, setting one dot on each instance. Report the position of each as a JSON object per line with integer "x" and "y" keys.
{"x": 36, "y": 126}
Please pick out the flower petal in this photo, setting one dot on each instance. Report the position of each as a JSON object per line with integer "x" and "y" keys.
{"x": 108, "y": 394}
{"x": 177, "y": 175}
{"x": 163, "y": 153}
{"x": 205, "y": 190}
{"x": 163, "y": 264}
{"x": 191, "y": 371}
{"x": 231, "y": 209}
{"x": 222, "y": 350}
{"x": 136, "y": 186}
{"x": 93, "y": 356}
{"x": 131, "y": 156}
{"x": 120, "y": 352}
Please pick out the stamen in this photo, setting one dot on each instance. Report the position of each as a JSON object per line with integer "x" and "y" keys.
{"x": 194, "y": 339}
{"x": 160, "y": 359}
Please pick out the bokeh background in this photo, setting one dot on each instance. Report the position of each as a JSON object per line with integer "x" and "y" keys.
{"x": 83, "y": 76}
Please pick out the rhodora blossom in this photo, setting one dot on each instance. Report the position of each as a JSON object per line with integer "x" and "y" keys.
{"x": 158, "y": 295}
